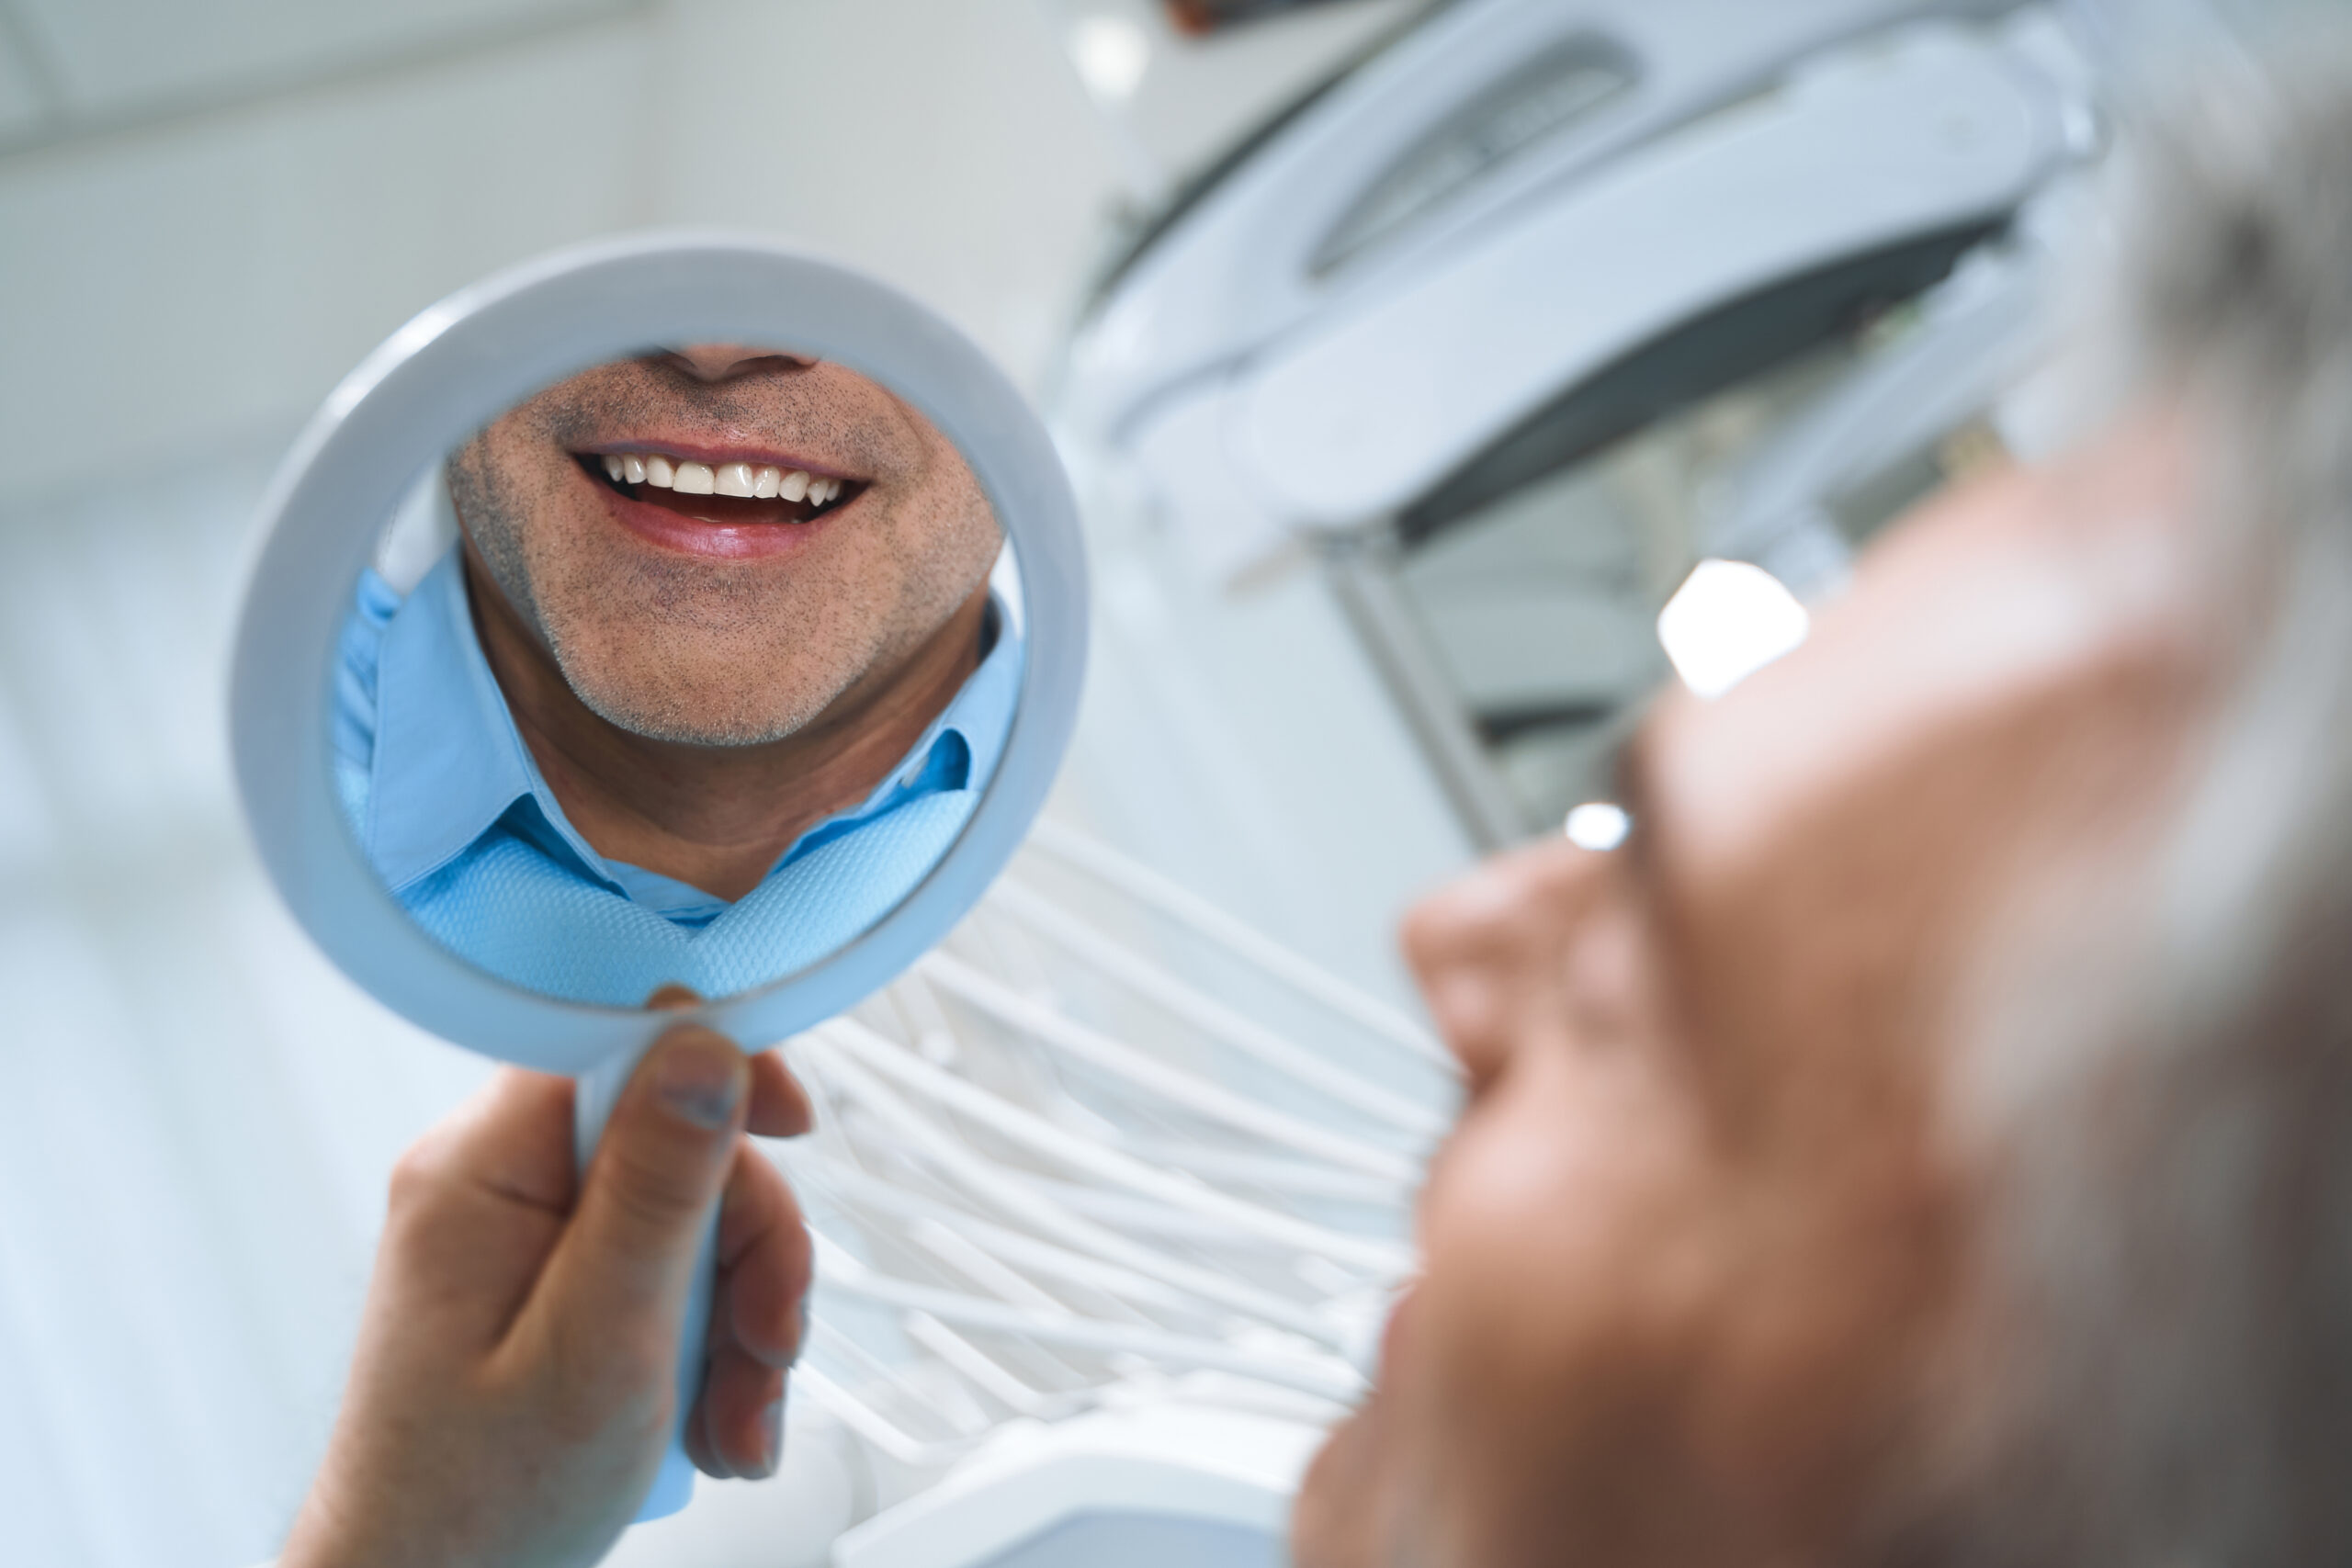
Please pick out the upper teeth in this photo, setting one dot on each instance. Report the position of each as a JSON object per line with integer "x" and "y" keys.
{"x": 760, "y": 481}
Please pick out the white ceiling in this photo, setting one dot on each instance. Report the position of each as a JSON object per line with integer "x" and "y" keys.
{"x": 113, "y": 58}
{"x": 21, "y": 108}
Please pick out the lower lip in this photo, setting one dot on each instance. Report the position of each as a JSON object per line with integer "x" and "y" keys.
{"x": 717, "y": 541}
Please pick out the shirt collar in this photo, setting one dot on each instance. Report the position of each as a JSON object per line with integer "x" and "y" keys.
{"x": 958, "y": 750}
{"x": 980, "y": 714}
{"x": 448, "y": 763}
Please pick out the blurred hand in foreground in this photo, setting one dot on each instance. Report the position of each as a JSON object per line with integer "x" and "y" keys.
{"x": 513, "y": 1385}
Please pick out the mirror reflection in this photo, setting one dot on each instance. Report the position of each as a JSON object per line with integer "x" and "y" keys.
{"x": 683, "y": 671}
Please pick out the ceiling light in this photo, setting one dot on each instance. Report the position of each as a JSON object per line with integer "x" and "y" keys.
{"x": 1727, "y": 621}
{"x": 1110, "y": 53}
{"x": 1597, "y": 825}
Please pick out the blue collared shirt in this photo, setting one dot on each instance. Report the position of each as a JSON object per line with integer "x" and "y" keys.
{"x": 436, "y": 780}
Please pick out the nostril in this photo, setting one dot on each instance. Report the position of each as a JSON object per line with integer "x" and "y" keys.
{"x": 715, "y": 361}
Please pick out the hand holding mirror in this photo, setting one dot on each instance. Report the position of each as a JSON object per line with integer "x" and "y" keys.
{"x": 674, "y": 612}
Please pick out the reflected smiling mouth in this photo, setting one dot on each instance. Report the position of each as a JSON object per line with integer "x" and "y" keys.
{"x": 725, "y": 493}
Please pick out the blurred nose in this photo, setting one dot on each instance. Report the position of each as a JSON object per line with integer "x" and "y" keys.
{"x": 1491, "y": 949}
{"x": 718, "y": 361}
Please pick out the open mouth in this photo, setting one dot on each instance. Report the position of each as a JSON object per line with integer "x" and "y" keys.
{"x": 726, "y": 494}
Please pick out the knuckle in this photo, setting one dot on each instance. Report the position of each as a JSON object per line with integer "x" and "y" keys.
{"x": 417, "y": 1175}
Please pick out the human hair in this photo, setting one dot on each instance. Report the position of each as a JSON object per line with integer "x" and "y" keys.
{"x": 2170, "y": 1224}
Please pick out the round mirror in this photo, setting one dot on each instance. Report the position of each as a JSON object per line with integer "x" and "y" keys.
{"x": 677, "y": 613}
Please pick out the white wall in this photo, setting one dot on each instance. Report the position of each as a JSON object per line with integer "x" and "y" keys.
{"x": 165, "y": 288}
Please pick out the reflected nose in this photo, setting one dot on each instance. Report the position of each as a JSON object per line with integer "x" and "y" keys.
{"x": 719, "y": 361}
{"x": 1491, "y": 949}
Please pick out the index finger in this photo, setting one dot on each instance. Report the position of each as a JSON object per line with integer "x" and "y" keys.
{"x": 780, "y": 1107}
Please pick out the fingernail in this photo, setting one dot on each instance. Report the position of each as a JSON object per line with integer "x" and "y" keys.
{"x": 671, "y": 997}
{"x": 772, "y": 1426}
{"x": 701, "y": 1078}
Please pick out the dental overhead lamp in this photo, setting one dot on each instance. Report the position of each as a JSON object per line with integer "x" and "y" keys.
{"x": 1564, "y": 349}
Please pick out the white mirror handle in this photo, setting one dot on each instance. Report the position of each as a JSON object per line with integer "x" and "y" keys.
{"x": 594, "y": 1095}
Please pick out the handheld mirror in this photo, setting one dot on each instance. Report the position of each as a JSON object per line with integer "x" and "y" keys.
{"x": 675, "y": 612}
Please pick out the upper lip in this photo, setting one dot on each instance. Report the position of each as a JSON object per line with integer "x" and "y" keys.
{"x": 702, "y": 451}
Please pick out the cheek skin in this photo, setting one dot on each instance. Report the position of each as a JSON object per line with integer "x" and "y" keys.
{"x": 1540, "y": 1222}
{"x": 1568, "y": 1264}
{"x": 1633, "y": 1344}
{"x": 1645, "y": 1334}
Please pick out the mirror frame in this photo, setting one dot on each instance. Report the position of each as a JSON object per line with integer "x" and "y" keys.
{"x": 463, "y": 362}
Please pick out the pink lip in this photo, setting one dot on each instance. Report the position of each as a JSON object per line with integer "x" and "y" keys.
{"x": 718, "y": 455}
{"x": 665, "y": 529}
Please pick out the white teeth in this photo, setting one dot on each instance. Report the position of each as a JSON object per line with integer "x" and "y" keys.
{"x": 751, "y": 480}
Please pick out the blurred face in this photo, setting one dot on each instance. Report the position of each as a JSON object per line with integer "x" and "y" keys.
{"x": 1693, "y": 1249}
{"x": 717, "y": 543}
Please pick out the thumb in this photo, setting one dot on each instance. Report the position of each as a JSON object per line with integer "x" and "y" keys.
{"x": 620, "y": 1275}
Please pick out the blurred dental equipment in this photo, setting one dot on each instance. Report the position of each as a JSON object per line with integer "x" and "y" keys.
{"x": 1110, "y": 1197}
{"x": 1444, "y": 383}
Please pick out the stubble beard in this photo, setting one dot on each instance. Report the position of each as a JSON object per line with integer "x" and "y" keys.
{"x": 661, "y": 703}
